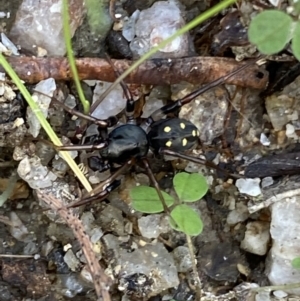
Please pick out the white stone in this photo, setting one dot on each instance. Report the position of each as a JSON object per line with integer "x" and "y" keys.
{"x": 112, "y": 104}
{"x": 86, "y": 275}
{"x": 43, "y": 100}
{"x": 256, "y": 238}
{"x": 267, "y": 181}
{"x": 90, "y": 82}
{"x": 35, "y": 174}
{"x": 3, "y": 49}
{"x": 263, "y": 296}
{"x": 18, "y": 122}
{"x": 95, "y": 235}
{"x": 148, "y": 259}
{"x": 264, "y": 140}
{"x": 152, "y": 260}
{"x": 156, "y": 24}
{"x": 151, "y": 226}
{"x": 17, "y": 229}
{"x": 2, "y": 76}
{"x": 128, "y": 30}
{"x": 70, "y": 284}
{"x": 9, "y": 44}
{"x": 290, "y": 129}
{"x": 285, "y": 229}
{"x": 249, "y": 186}
{"x": 275, "y": 2}
{"x": 9, "y": 94}
{"x": 280, "y": 294}
{"x": 71, "y": 260}
{"x": 239, "y": 214}
{"x": 40, "y": 23}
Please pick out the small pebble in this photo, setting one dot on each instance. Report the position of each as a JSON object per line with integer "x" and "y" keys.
{"x": 256, "y": 238}
{"x": 71, "y": 260}
{"x": 9, "y": 44}
{"x": 182, "y": 259}
{"x": 264, "y": 140}
{"x": 290, "y": 129}
{"x": 267, "y": 181}
{"x": 263, "y": 296}
{"x": 238, "y": 215}
{"x": 112, "y": 104}
{"x": 275, "y": 2}
{"x": 280, "y": 294}
{"x": 249, "y": 186}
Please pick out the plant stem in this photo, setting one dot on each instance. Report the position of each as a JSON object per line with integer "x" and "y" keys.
{"x": 197, "y": 280}
{"x": 67, "y": 35}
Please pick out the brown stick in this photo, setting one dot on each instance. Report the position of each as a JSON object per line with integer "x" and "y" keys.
{"x": 196, "y": 70}
{"x": 101, "y": 280}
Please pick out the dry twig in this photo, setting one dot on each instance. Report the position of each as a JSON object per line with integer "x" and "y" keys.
{"x": 196, "y": 70}
{"x": 101, "y": 280}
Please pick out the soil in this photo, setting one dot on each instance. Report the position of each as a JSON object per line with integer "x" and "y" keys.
{"x": 50, "y": 252}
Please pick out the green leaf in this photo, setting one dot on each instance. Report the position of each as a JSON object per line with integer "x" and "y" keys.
{"x": 187, "y": 220}
{"x": 296, "y": 263}
{"x": 145, "y": 199}
{"x": 190, "y": 187}
{"x": 296, "y": 41}
{"x": 270, "y": 31}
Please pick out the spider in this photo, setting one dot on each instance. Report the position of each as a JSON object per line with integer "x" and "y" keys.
{"x": 130, "y": 143}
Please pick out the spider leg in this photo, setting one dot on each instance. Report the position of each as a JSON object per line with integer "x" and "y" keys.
{"x": 155, "y": 183}
{"x": 109, "y": 122}
{"x": 172, "y": 153}
{"x": 99, "y": 196}
{"x": 129, "y": 111}
{"x": 173, "y": 107}
{"x": 103, "y": 189}
{"x": 92, "y": 147}
{"x": 113, "y": 177}
{"x": 130, "y": 103}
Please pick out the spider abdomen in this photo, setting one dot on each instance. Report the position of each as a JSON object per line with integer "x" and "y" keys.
{"x": 126, "y": 142}
{"x": 175, "y": 133}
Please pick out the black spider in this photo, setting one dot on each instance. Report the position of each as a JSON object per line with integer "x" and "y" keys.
{"x": 129, "y": 143}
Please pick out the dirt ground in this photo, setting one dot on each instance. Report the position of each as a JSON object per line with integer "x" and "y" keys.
{"x": 49, "y": 251}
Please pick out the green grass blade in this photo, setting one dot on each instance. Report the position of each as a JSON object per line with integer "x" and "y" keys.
{"x": 67, "y": 36}
{"x": 46, "y": 126}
